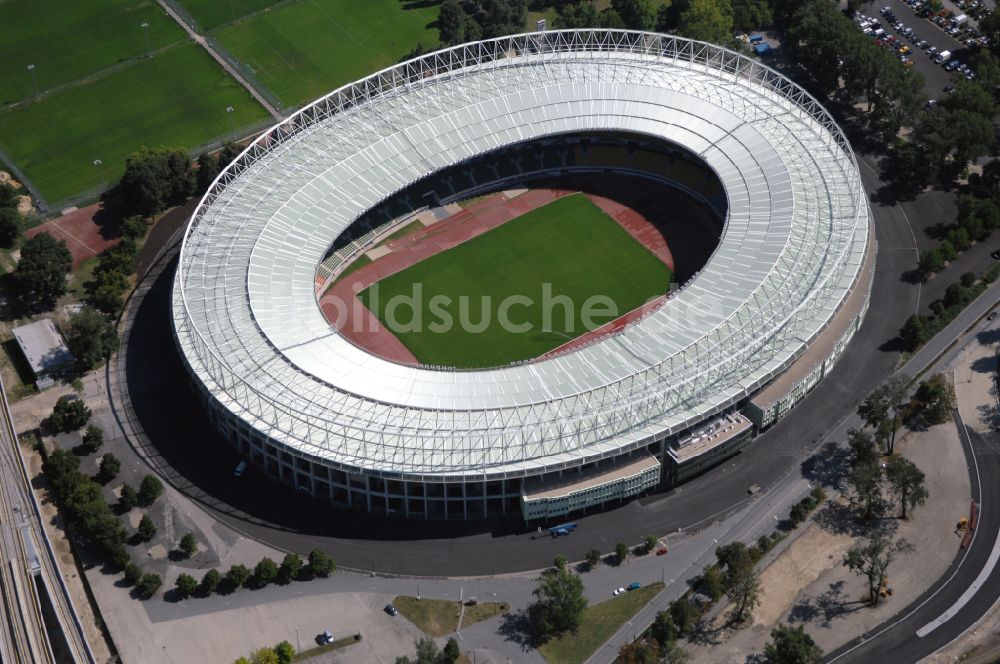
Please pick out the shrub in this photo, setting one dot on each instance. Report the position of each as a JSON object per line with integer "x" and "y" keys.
{"x": 210, "y": 581}
{"x": 149, "y": 490}
{"x": 109, "y": 467}
{"x": 185, "y": 585}
{"x": 132, "y": 574}
{"x": 148, "y": 585}
{"x": 188, "y": 545}
{"x": 147, "y": 529}
{"x": 69, "y": 414}
{"x": 237, "y": 575}
{"x": 265, "y": 572}
{"x": 320, "y": 564}
{"x": 128, "y": 498}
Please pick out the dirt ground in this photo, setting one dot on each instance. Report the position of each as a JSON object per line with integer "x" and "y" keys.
{"x": 807, "y": 583}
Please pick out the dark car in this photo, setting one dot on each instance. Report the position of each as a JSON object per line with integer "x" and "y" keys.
{"x": 995, "y": 255}
{"x": 391, "y": 610}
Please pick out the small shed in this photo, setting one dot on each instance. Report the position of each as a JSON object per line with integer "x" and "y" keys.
{"x": 756, "y": 39}
{"x": 45, "y": 350}
{"x": 762, "y": 48}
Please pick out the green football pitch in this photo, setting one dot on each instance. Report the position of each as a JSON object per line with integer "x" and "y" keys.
{"x": 302, "y": 50}
{"x": 210, "y": 14}
{"x": 67, "y": 40}
{"x": 569, "y": 244}
{"x": 178, "y": 98}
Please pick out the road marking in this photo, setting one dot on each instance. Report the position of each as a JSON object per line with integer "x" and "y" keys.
{"x": 967, "y": 595}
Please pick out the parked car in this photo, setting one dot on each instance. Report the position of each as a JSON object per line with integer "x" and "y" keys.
{"x": 992, "y": 316}
{"x": 619, "y": 591}
{"x": 661, "y": 551}
{"x": 240, "y": 469}
{"x": 995, "y": 255}
{"x": 324, "y": 638}
{"x": 634, "y": 585}
{"x": 391, "y": 610}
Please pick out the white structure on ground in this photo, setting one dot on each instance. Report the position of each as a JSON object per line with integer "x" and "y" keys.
{"x": 45, "y": 350}
{"x": 312, "y": 409}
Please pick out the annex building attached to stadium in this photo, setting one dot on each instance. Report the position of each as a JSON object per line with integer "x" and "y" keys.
{"x": 649, "y": 406}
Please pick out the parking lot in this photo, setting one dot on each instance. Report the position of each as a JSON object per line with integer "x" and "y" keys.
{"x": 921, "y": 30}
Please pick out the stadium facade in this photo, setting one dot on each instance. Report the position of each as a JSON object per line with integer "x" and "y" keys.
{"x": 666, "y": 397}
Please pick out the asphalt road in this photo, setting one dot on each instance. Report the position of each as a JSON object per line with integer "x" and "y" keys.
{"x": 897, "y": 641}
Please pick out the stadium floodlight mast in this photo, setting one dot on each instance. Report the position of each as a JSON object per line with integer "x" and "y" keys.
{"x": 34, "y": 81}
{"x": 232, "y": 127}
{"x": 145, "y": 30}
{"x": 100, "y": 172}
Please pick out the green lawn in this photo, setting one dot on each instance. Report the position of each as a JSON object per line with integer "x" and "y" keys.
{"x": 304, "y": 49}
{"x": 70, "y": 39}
{"x": 439, "y": 617}
{"x": 600, "y": 622}
{"x": 210, "y": 14}
{"x": 569, "y": 244}
{"x": 177, "y": 99}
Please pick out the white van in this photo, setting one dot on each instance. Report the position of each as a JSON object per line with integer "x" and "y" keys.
{"x": 942, "y": 57}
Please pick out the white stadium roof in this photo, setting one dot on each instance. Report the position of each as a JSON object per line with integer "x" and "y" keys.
{"x": 249, "y": 327}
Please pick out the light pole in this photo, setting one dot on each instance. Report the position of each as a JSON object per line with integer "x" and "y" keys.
{"x": 100, "y": 180}
{"x": 298, "y": 646}
{"x": 232, "y": 127}
{"x": 34, "y": 81}
{"x": 145, "y": 31}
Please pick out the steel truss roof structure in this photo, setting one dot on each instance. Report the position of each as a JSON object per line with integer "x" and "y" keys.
{"x": 250, "y": 331}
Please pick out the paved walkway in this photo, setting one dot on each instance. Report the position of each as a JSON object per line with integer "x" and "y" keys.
{"x": 201, "y": 41}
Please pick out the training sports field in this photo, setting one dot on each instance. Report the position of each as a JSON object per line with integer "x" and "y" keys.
{"x": 303, "y": 49}
{"x": 68, "y": 40}
{"x": 178, "y": 99}
{"x": 568, "y": 243}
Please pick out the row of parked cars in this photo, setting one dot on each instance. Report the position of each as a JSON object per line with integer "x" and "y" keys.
{"x": 956, "y": 24}
{"x": 874, "y": 28}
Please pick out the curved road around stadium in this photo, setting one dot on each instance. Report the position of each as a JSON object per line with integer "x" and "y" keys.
{"x": 184, "y": 450}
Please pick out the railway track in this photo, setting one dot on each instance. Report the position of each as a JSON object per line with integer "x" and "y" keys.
{"x": 29, "y": 563}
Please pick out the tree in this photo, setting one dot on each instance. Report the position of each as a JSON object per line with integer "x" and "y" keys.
{"x": 791, "y": 645}
{"x": 147, "y": 529}
{"x": 684, "y": 615}
{"x": 649, "y": 542}
{"x": 560, "y": 604}
{"x": 134, "y": 228}
{"x": 593, "y": 558}
{"x": 265, "y": 572}
{"x": 208, "y": 169}
{"x": 264, "y": 656}
{"x": 427, "y": 653}
{"x": 109, "y": 468}
{"x": 40, "y": 276}
{"x": 559, "y": 561}
{"x": 451, "y": 22}
{"x": 639, "y": 651}
{"x": 228, "y": 154}
{"x": 610, "y": 19}
{"x": 285, "y": 652}
{"x": 92, "y": 338}
{"x": 935, "y": 400}
{"x": 636, "y": 14}
{"x": 69, "y": 414}
{"x": 744, "y": 591}
{"x": 914, "y": 332}
{"x": 712, "y": 583}
{"x": 93, "y": 438}
{"x": 863, "y": 450}
{"x": 320, "y": 564}
{"x": 156, "y": 178}
{"x": 148, "y": 585}
{"x": 865, "y": 485}
{"x": 708, "y": 20}
{"x": 871, "y": 560}
{"x": 575, "y": 16}
{"x": 237, "y": 575}
{"x": 897, "y": 390}
{"x": 751, "y": 14}
{"x": 185, "y": 585}
{"x": 132, "y": 574}
{"x": 621, "y": 552}
{"x": 188, "y": 545}
{"x": 671, "y": 653}
{"x": 451, "y": 652}
{"x": 874, "y": 410}
{"x": 10, "y": 227}
{"x": 149, "y": 490}
{"x": 128, "y": 497}
{"x": 8, "y": 196}
{"x": 907, "y": 483}
{"x": 663, "y": 630}
{"x": 210, "y": 582}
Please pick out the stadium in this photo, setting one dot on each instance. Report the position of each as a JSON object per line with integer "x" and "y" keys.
{"x": 773, "y": 251}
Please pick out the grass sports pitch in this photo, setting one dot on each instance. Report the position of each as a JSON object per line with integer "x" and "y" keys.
{"x": 569, "y": 243}
{"x": 68, "y": 40}
{"x": 178, "y": 98}
{"x": 302, "y": 50}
